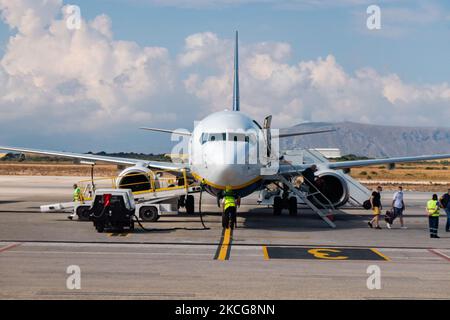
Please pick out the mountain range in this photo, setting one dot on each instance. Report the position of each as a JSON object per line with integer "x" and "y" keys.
{"x": 372, "y": 141}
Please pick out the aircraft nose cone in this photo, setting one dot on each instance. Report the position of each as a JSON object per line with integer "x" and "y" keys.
{"x": 227, "y": 175}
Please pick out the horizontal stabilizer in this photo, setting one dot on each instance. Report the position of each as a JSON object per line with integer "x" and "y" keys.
{"x": 183, "y": 133}
{"x": 292, "y": 134}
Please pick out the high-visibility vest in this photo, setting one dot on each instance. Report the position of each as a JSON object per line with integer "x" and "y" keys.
{"x": 229, "y": 202}
{"x": 77, "y": 196}
{"x": 433, "y": 208}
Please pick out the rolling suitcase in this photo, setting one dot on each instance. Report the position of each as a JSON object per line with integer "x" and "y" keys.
{"x": 389, "y": 216}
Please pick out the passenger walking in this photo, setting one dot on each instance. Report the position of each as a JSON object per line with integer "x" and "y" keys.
{"x": 375, "y": 201}
{"x": 310, "y": 177}
{"x": 433, "y": 210}
{"x": 445, "y": 202}
{"x": 399, "y": 207}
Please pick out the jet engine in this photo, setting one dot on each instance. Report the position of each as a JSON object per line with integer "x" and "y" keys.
{"x": 334, "y": 187}
{"x": 137, "y": 178}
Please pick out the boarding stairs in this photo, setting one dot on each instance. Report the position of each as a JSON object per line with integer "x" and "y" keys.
{"x": 325, "y": 214}
{"x": 358, "y": 192}
{"x": 304, "y": 196}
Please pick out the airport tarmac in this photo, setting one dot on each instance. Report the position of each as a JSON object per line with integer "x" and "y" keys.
{"x": 266, "y": 257}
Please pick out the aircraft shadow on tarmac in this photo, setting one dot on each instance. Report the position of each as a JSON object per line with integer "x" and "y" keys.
{"x": 256, "y": 218}
{"x": 263, "y": 218}
{"x": 305, "y": 220}
{"x": 10, "y": 201}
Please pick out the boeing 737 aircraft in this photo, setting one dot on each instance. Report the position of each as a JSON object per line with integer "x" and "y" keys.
{"x": 229, "y": 148}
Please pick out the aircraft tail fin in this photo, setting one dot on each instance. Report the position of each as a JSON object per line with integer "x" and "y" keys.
{"x": 236, "y": 106}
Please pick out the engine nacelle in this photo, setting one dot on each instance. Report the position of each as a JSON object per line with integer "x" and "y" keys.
{"x": 334, "y": 187}
{"x": 137, "y": 178}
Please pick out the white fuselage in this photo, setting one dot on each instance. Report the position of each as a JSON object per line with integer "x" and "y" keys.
{"x": 226, "y": 150}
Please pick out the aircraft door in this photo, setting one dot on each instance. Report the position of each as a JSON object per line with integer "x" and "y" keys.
{"x": 268, "y": 137}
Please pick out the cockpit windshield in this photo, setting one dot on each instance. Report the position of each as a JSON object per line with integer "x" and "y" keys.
{"x": 231, "y": 136}
{"x": 207, "y": 136}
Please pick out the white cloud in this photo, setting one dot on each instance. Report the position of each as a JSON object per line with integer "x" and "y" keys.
{"x": 315, "y": 90}
{"x": 49, "y": 70}
{"x": 29, "y": 16}
{"x": 201, "y": 47}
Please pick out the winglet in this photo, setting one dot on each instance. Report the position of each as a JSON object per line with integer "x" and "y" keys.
{"x": 236, "y": 106}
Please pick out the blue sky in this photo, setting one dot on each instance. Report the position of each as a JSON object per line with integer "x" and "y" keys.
{"x": 407, "y": 61}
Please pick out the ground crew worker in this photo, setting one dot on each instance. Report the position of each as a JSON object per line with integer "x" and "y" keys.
{"x": 433, "y": 210}
{"x": 77, "y": 197}
{"x": 229, "y": 204}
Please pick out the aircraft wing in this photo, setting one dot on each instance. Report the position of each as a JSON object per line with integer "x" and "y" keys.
{"x": 93, "y": 157}
{"x": 371, "y": 162}
{"x": 289, "y": 168}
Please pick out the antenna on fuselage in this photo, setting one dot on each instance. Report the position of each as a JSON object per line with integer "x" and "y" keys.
{"x": 236, "y": 106}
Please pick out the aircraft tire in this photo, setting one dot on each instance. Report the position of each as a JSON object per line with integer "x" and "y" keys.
{"x": 190, "y": 208}
{"x": 277, "y": 206}
{"x": 100, "y": 228}
{"x": 292, "y": 206}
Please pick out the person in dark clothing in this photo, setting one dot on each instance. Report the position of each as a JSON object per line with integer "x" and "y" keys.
{"x": 309, "y": 175}
{"x": 445, "y": 202}
{"x": 375, "y": 201}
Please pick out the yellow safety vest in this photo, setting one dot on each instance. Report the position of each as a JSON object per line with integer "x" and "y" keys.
{"x": 229, "y": 202}
{"x": 77, "y": 196}
{"x": 433, "y": 208}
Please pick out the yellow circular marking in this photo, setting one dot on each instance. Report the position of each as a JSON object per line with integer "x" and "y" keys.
{"x": 325, "y": 254}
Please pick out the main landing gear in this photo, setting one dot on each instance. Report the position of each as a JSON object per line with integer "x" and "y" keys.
{"x": 285, "y": 202}
{"x": 280, "y": 203}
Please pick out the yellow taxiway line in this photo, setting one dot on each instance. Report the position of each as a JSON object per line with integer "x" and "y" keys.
{"x": 266, "y": 253}
{"x": 225, "y": 245}
{"x": 380, "y": 254}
